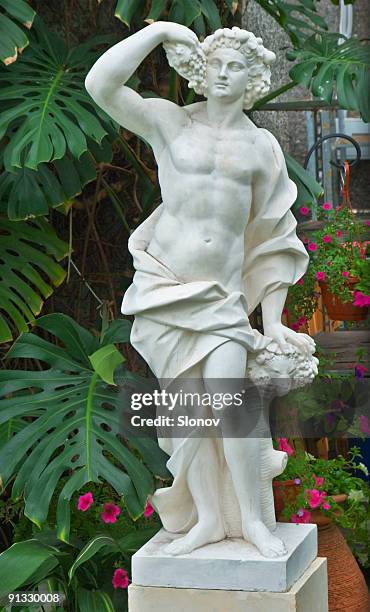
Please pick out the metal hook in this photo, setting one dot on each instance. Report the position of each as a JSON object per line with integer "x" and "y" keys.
{"x": 334, "y": 135}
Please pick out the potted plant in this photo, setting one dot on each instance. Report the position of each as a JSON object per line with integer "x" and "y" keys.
{"x": 327, "y": 493}
{"x": 338, "y": 263}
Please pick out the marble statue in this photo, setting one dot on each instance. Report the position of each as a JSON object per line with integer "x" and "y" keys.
{"x": 222, "y": 241}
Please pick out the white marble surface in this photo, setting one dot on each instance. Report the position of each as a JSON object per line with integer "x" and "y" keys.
{"x": 222, "y": 241}
{"x": 308, "y": 594}
{"x": 231, "y": 564}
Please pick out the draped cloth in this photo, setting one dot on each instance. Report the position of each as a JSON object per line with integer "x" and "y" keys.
{"x": 177, "y": 324}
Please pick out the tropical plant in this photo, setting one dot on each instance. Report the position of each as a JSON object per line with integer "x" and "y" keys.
{"x": 29, "y": 252}
{"x": 80, "y": 573}
{"x": 330, "y": 64}
{"x": 46, "y": 111}
{"x": 70, "y": 414}
{"x": 13, "y": 15}
{"x": 298, "y": 19}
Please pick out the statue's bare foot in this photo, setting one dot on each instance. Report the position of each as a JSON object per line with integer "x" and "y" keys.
{"x": 262, "y": 538}
{"x": 200, "y": 535}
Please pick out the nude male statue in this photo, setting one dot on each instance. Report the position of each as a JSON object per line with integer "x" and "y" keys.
{"x": 215, "y": 169}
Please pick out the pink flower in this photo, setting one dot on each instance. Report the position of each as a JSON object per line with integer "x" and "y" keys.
{"x": 285, "y": 446}
{"x": 339, "y": 234}
{"x": 110, "y": 513}
{"x": 326, "y": 506}
{"x": 364, "y": 424}
{"x": 300, "y": 281}
{"x": 120, "y": 579}
{"x": 318, "y": 480}
{"x": 149, "y": 510}
{"x": 302, "y": 516}
{"x": 285, "y": 311}
{"x": 345, "y": 273}
{"x": 367, "y": 222}
{"x": 361, "y": 299}
{"x": 360, "y": 370}
{"x": 312, "y": 246}
{"x": 295, "y": 326}
{"x": 85, "y": 501}
{"x": 326, "y": 206}
{"x": 304, "y": 211}
{"x": 327, "y": 238}
{"x": 302, "y": 321}
{"x": 305, "y": 239}
{"x": 320, "y": 276}
{"x": 315, "y": 497}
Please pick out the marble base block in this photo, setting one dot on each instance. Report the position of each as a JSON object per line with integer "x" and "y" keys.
{"x": 232, "y": 564}
{"x": 308, "y": 594}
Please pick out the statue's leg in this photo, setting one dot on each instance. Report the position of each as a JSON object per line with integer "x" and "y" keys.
{"x": 243, "y": 455}
{"x": 203, "y": 480}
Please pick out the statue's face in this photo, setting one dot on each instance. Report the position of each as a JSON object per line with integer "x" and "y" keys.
{"x": 226, "y": 74}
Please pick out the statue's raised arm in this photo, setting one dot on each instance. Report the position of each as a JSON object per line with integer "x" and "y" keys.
{"x": 150, "y": 118}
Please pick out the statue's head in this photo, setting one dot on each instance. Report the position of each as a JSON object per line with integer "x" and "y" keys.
{"x": 284, "y": 371}
{"x": 228, "y": 64}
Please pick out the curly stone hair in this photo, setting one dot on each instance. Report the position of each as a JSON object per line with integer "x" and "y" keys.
{"x": 304, "y": 372}
{"x": 191, "y": 64}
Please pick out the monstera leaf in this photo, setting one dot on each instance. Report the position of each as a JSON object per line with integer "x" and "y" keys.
{"x": 197, "y": 12}
{"x": 45, "y": 109}
{"x": 73, "y": 432}
{"x": 30, "y": 193}
{"x": 308, "y": 189}
{"x": 330, "y": 63}
{"x": 28, "y": 272}
{"x": 13, "y": 38}
{"x": 298, "y": 19}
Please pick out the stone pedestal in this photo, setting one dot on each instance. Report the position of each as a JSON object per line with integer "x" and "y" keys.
{"x": 309, "y": 594}
{"x": 231, "y": 575}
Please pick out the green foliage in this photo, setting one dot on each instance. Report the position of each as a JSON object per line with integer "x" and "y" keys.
{"x": 339, "y": 248}
{"x": 30, "y": 193}
{"x": 192, "y": 12}
{"x": 45, "y": 110}
{"x": 74, "y": 425}
{"x": 361, "y": 269}
{"x": 302, "y": 299}
{"x": 82, "y": 572}
{"x": 339, "y": 478}
{"x": 339, "y": 253}
{"x": 13, "y": 38}
{"x": 329, "y": 63}
{"x": 308, "y": 190}
{"x": 298, "y": 19}
{"x": 28, "y": 272}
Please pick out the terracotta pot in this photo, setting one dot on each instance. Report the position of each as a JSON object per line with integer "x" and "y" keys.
{"x": 346, "y": 584}
{"x": 284, "y": 490}
{"x": 342, "y": 311}
{"x": 347, "y": 588}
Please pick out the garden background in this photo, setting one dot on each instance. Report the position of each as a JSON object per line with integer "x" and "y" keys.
{"x": 73, "y": 185}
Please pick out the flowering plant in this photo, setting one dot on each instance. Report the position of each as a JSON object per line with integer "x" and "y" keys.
{"x": 318, "y": 481}
{"x": 337, "y": 254}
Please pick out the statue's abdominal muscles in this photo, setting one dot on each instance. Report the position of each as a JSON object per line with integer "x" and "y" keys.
{"x": 205, "y": 179}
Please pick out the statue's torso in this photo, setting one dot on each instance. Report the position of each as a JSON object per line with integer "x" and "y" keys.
{"x": 206, "y": 184}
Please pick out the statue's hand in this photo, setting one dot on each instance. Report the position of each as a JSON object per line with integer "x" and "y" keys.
{"x": 283, "y": 335}
{"x": 177, "y": 33}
